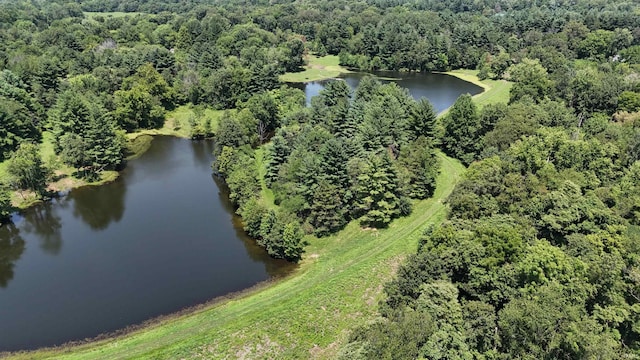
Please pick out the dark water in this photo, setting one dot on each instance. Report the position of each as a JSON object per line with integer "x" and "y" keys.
{"x": 441, "y": 89}
{"x": 159, "y": 239}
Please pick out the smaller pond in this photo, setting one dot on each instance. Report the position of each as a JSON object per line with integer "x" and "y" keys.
{"x": 441, "y": 89}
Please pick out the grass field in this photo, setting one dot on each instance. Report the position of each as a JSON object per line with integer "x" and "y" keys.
{"x": 177, "y": 121}
{"x": 307, "y": 315}
{"x": 317, "y": 68}
{"x": 495, "y": 91}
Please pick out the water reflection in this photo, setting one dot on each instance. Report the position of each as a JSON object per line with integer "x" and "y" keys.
{"x": 100, "y": 206}
{"x": 43, "y": 221}
{"x": 202, "y": 150}
{"x": 11, "y": 248}
{"x": 441, "y": 90}
{"x": 273, "y": 267}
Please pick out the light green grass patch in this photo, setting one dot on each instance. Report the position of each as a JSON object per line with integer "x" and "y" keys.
{"x": 306, "y": 315}
{"x": 317, "y": 68}
{"x": 177, "y": 121}
{"x": 265, "y": 193}
{"x": 495, "y": 91}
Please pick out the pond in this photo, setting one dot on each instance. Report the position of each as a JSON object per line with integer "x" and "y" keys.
{"x": 441, "y": 89}
{"x": 161, "y": 238}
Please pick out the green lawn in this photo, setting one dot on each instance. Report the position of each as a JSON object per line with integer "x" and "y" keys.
{"x": 177, "y": 121}
{"x": 317, "y": 68}
{"x": 307, "y": 315}
{"x": 495, "y": 91}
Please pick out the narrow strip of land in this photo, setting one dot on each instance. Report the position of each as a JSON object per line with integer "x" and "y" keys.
{"x": 317, "y": 68}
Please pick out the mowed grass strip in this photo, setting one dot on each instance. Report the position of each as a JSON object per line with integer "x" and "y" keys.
{"x": 307, "y": 315}
{"x": 317, "y": 68}
{"x": 495, "y": 91}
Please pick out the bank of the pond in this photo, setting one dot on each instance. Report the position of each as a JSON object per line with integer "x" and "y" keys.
{"x": 177, "y": 123}
{"x": 317, "y": 68}
{"x": 306, "y": 315}
{"x": 495, "y": 91}
{"x": 162, "y": 237}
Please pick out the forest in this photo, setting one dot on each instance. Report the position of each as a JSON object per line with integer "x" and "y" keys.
{"x": 538, "y": 256}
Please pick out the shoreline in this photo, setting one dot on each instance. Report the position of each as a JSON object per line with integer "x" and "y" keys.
{"x": 155, "y": 321}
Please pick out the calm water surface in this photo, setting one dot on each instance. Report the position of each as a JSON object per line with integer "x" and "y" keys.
{"x": 441, "y": 89}
{"x": 160, "y": 238}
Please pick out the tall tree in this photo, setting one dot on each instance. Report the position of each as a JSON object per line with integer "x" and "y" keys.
{"x": 27, "y": 170}
{"x": 462, "y": 129}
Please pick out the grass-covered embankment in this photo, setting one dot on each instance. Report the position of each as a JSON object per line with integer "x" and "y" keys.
{"x": 495, "y": 91}
{"x": 317, "y": 68}
{"x": 306, "y": 315}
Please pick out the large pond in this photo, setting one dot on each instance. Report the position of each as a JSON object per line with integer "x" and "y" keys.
{"x": 441, "y": 89}
{"x": 161, "y": 238}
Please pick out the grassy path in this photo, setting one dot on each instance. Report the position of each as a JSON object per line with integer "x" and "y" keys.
{"x": 307, "y": 315}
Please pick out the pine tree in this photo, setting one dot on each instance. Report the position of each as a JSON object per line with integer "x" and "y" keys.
{"x": 328, "y": 213}
{"x": 423, "y": 119}
{"x": 420, "y": 160}
{"x": 379, "y": 197}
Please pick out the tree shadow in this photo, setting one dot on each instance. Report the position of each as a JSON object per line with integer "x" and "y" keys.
{"x": 43, "y": 221}
{"x": 11, "y": 249}
{"x": 99, "y": 206}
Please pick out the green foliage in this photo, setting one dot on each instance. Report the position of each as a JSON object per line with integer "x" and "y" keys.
{"x": 85, "y": 135}
{"x": 16, "y": 126}
{"x": 27, "y": 170}
{"x": 5, "y": 204}
{"x": 421, "y": 163}
{"x": 462, "y": 129}
{"x": 136, "y": 109}
{"x": 378, "y": 195}
{"x": 530, "y": 80}
{"x": 242, "y": 180}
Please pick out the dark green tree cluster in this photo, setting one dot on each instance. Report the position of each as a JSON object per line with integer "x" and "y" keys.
{"x": 341, "y": 159}
{"x": 362, "y": 158}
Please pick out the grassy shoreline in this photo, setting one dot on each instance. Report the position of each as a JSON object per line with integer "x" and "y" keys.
{"x": 176, "y": 124}
{"x": 495, "y": 91}
{"x": 317, "y": 68}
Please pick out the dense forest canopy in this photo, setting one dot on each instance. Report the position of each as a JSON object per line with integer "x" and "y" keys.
{"x": 538, "y": 258}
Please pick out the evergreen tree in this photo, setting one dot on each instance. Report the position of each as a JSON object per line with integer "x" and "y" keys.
{"x": 379, "y": 199}
{"x": 328, "y": 212}
{"x": 423, "y": 119}
{"x": 421, "y": 161}
{"x": 461, "y": 127}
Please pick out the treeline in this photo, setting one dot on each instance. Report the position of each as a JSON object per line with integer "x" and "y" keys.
{"x": 343, "y": 158}
{"x": 539, "y": 255}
